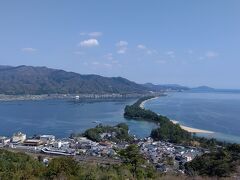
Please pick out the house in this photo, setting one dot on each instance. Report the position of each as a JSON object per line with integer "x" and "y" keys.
{"x": 61, "y": 144}
{"x": 4, "y": 140}
{"x": 18, "y": 138}
{"x": 32, "y": 142}
{"x": 47, "y": 138}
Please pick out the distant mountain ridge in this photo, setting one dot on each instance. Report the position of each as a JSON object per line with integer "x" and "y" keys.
{"x": 29, "y": 80}
{"x": 210, "y": 89}
{"x": 203, "y": 89}
{"x": 42, "y": 80}
{"x": 165, "y": 87}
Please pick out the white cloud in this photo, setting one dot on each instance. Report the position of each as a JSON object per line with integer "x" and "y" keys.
{"x": 146, "y": 49}
{"x": 122, "y": 43}
{"x": 190, "y": 51}
{"x": 89, "y": 43}
{"x": 109, "y": 56}
{"x": 171, "y": 54}
{"x": 107, "y": 65}
{"x": 140, "y": 46}
{"x": 211, "y": 54}
{"x": 149, "y": 52}
{"x": 28, "y": 49}
{"x": 95, "y": 63}
{"x": 91, "y": 34}
{"x": 115, "y": 62}
{"x": 122, "y": 47}
{"x": 95, "y": 34}
{"x": 121, "y": 51}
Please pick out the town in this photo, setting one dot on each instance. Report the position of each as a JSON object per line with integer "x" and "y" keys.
{"x": 165, "y": 156}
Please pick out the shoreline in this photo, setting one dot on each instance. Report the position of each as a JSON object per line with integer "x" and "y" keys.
{"x": 29, "y": 97}
{"x": 186, "y": 128}
{"x": 143, "y": 103}
{"x": 192, "y": 130}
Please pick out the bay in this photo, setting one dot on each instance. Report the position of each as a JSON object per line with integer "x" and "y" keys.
{"x": 62, "y": 117}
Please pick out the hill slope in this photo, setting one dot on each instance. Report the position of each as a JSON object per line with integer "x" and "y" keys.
{"x": 42, "y": 80}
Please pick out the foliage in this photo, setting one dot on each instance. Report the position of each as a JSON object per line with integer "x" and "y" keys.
{"x": 41, "y": 80}
{"x": 223, "y": 159}
{"x": 209, "y": 143}
{"x": 219, "y": 163}
{"x": 135, "y": 161}
{"x": 167, "y": 130}
{"x": 19, "y": 166}
{"x": 62, "y": 166}
{"x": 171, "y": 132}
{"x": 119, "y": 133}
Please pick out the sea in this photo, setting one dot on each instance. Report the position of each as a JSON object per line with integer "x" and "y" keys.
{"x": 63, "y": 117}
{"x": 214, "y": 111}
{"x": 217, "y": 112}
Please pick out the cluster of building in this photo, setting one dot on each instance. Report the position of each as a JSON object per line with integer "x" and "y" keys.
{"x": 4, "y": 97}
{"x": 167, "y": 156}
{"x": 91, "y": 148}
{"x": 48, "y": 144}
{"x": 107, "y": 96}
{"x": 20, "y": 138}
{"x": 39, "y": 143}
{"x": 164, "y": 155}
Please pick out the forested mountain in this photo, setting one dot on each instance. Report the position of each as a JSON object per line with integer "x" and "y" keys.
{"x": 42, "y": 80}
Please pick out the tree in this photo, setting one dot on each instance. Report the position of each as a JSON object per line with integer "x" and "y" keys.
{"x": 132, "y": 157}
{"x": 63, "y": 166}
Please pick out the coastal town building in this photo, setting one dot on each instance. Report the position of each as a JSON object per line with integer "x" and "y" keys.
{"x": 32, "y": 142}
{"x": 61, "y": 144}
{"x": 165, "y": 156}
{"x": 18, "y": 138}
{"x": 4, "y": 140}
{"x": 47, "y": 138}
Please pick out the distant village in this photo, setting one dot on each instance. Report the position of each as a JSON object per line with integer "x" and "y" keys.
{"x": 4, "y": 97}
{"x": 165, "y": 156}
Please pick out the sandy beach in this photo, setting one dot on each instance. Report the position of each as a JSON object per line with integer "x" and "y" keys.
{"x": 143, "y": 103}
{"x": 186, "y": 128}
{"x": 192, "y": 130}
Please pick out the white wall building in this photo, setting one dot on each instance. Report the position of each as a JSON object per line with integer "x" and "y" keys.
{"x": 19, "y": 137}
{"x": 47, "y": 138}
{"x": 4, "y": 140}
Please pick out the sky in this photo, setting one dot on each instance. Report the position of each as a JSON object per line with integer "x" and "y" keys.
{"x": 183, "y": 42}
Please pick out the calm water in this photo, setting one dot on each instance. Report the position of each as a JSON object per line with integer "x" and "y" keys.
{"x": 218, "y": 112}
{"x": 210, "y": 111}
{"x": 61, "y": 117}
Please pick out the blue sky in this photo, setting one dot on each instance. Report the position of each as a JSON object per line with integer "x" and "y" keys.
{"x": 184, "y": 42}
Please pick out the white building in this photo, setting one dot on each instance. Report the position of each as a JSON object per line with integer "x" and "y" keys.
{"x": 4, "y": 140}
{"x": 19, "y": 137}
{"x": 61, "y": 144}
{"x": 188, "y": 158}
{"x": 47, "y": 138}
